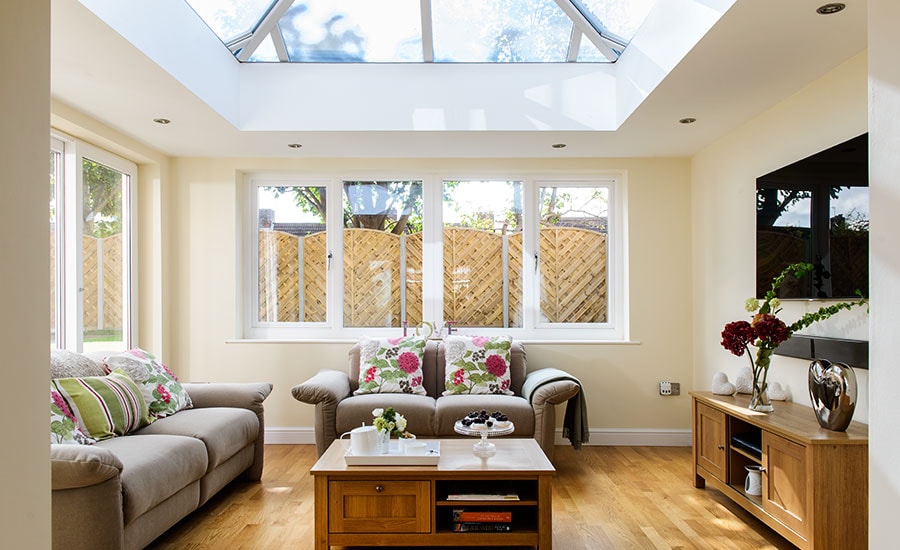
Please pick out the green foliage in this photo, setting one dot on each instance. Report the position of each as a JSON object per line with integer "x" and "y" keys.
{"x": 391, "y": 206}
{"x": 798, "y": 270}
{"x": 101, "y": 200}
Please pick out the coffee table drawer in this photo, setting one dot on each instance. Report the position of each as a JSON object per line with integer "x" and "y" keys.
{"x": 379, "y": 506}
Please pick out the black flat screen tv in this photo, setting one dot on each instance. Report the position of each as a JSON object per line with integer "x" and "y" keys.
{"x": 816, "y": 210}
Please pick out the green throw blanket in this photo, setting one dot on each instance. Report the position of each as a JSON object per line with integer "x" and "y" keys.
{"x": 575, "y": 422}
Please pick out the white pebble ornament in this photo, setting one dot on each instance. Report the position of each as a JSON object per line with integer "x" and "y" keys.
{"x": 721, "y": 385}
{"x": 744, "y": 380}
{"x": 776, "y": 392}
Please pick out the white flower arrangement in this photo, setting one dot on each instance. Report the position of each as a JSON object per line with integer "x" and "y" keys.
{"x": 389, "y": 420}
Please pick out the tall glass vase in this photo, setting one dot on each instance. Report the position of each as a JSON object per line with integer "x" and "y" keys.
{"x": 759, "y": 398}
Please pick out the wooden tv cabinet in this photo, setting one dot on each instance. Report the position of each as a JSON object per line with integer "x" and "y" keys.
{"x": 412, "y": 505}
{"x": 814, "y": 483}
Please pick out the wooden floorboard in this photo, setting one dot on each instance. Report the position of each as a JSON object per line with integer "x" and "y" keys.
{"x": 603, "y": 498}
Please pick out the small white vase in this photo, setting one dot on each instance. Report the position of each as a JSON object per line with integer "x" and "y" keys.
{"x": 385, "y": 441}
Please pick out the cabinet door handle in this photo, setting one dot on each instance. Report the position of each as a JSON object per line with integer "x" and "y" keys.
{"x": 721, "y": 447}
{"x": 762, "y": 470}
{"x": 379, "y": 488}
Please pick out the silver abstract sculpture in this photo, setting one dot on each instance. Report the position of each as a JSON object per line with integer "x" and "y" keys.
{"x": 832, "y": 389}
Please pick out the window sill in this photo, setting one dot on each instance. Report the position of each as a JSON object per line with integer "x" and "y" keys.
{"x": 353, "y": 341}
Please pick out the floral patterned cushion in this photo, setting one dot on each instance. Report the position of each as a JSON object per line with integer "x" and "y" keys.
{"x": 477, "y": 364}
{"x": 63, "y": 426}
{"x": 163, "y": 393}
{"x": 105, "y": 406}
{"x": 391, "y": 365}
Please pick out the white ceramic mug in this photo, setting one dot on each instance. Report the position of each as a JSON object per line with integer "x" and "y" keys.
{"x": 753, "y": 483}
{"x": 402, "y": 442}
{"x": 364, "y": 440}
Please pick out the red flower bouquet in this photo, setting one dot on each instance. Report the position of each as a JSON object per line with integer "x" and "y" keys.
{"x": 766, "y": 331}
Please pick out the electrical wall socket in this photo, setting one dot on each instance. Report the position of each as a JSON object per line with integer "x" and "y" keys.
{"x": 669, "y": 388}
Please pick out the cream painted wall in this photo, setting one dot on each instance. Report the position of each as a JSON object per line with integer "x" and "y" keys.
{"x": 884, "y": 136}
{"x": 620, "y": 379}
{"x": 824, "y": 113}
{"x": 25, "y": 271}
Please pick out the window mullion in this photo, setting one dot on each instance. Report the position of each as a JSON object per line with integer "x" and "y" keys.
{"x": 334, "y": 316}
{"x": 530, "y": 251}
{"x": 432, "y": 251}
{"x": 74, "y": 280}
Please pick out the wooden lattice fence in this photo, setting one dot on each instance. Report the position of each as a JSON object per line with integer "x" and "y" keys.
{"x": 573, "y": 275}
{"x": 482, "y": 283}
{"x": 102, "y": 282}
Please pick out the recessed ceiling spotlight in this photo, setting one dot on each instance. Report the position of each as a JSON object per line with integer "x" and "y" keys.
{"x": 687, "y": 120}
{"x": 161, "y": 120}
{"x": 558, "y": 145}
{"x": 294, "y": 145}
{"x": 830, "y": 8}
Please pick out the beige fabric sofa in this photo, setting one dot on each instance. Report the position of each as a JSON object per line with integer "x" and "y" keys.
{"x": 126, "y": 491}
{"x": 432, "y": 415}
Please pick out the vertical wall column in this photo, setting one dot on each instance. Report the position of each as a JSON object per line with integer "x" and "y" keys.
{"x": 884, "y": 318}
{"x": 25, "y": 271}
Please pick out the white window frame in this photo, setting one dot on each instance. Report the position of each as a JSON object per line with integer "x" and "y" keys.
{"x": 70, "y": 282}
{"x": 614, "y": 330}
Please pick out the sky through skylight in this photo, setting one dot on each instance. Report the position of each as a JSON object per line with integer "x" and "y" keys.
{"x": 457, "y": 31}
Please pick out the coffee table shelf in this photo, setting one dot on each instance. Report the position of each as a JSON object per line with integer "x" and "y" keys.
{"x": 413, "y": 505}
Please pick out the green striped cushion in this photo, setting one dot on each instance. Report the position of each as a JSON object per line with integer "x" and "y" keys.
{"x": 105, "y": 406}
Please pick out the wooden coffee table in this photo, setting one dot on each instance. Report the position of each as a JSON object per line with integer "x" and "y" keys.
{"x": 414, "y": 505}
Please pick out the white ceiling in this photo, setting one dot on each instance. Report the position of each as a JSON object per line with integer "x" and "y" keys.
{"x": 759, "y": 53}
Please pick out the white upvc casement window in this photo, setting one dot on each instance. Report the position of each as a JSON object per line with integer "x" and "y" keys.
{"x": 337, "y": 256}
{"x": 92, "y": 247}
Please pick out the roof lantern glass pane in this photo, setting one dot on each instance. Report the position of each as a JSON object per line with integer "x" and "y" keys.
{"x": 500, "y": 31}
{"x": 230, "y": 18}
{"x": 266, "y": 51}
{"x": 619, "y": 18}
{"x": 467, "y": 31}
{"x": 336, "y": 31}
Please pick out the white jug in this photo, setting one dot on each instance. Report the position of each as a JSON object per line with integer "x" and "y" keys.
{"x": 753, "y": 482}
{"x": 364, "y": 440}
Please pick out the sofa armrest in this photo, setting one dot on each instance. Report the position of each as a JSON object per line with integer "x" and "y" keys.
{"x": 247, "y": 395}
{"x": 554, "y": 393}
{"x": 86, "y": 499}
{"x": 76, "y": 466}
{"x": 241, "y": 395}
{"x": 325, "y": 386}
{"x": 324, "y": 390}
{"x": 545, "y": 396}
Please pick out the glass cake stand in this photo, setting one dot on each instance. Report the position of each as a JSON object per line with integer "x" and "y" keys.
{"x": 484, "y": 448}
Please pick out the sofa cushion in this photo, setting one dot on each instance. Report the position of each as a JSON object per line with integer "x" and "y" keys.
{"x": 391, "y": 365}
{"x": 63, "y": 424}
{"x": 451, "y": 408}
{"x": 161, "y": 390}
{"x": 67, "y": 364}
{"x": 223, "y": 430}
{"x": 105, "y": 406}
{"x": 417, "y": 409}
{"x": 477, "y": 364}
{"x": 155, "y": 467}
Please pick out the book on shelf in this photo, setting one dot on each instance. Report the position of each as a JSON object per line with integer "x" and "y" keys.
{"x": 482, "y": 516}
{"x": 484, "y": 496}
{"x": 481, "y": 527}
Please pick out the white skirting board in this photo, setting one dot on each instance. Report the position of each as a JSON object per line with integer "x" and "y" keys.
{"x": 621, "y": 437}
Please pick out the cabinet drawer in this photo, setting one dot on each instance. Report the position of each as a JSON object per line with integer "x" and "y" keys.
{"x": 379, "y": 506}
